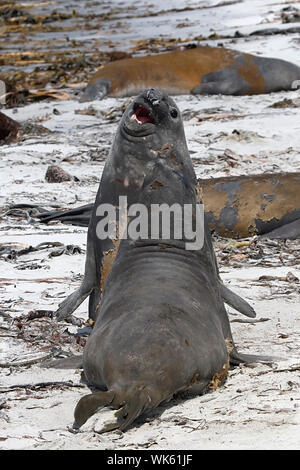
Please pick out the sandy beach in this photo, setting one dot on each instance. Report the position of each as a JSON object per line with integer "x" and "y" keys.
{"x": 259, "y": 405}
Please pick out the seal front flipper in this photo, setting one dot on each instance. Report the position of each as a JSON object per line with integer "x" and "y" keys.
{"x": 221, "y": 82}
{"x": 237, "y": 358}
{"x": 236, "y": 302}
{"x": 97, "y": 90}
{"x": 72, "y": 302}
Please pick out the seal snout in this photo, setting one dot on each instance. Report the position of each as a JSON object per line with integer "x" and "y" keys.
{"x": 154, "y": 96}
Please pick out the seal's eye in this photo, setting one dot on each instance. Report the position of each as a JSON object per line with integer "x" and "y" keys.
{"x": 174, "y": 113}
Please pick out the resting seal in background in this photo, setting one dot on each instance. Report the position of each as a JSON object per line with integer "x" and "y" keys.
{"x": 161, "y": 326}
{"x": 124, "y": 173}
{"x": 242, "y": 206}
{"x": 267, "y": 205}
{"x": 203, "y": 70}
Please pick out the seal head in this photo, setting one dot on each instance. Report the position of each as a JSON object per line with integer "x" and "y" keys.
{"x": 151, "y": 123}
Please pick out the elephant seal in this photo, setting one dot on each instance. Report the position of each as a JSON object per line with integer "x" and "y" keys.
{"x": 141, "y": 129}
{"x": 267, "y": 205}
{"x": 161, "y": 326}
{"x": 202, "y": 70}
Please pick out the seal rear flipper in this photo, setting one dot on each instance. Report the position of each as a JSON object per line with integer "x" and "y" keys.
{"x": 136, "y": 405}
{"x": 79, "y": 216}
{"x": 89, "y": 404}
{"x": 290, "y": 231}
{"x": 236, "y": 302}
{"x": 97, "y": 90}
{"x": 139, "y": 402}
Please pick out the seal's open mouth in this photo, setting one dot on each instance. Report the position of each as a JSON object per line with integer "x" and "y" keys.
{"x": 142, "y": 115}
{"x": 140, "y": 120}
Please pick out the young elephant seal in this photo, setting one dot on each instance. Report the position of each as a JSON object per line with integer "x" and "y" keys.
{"x": 161, "y": 326}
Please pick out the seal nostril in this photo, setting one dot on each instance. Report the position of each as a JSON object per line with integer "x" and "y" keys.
{"x": 154, "y": 96}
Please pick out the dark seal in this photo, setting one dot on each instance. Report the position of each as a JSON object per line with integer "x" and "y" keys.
{"x": 161, "y": 326}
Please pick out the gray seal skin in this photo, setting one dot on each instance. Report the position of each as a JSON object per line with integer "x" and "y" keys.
{"x": 161, "y": 326}
{"x": 132, "y": 158}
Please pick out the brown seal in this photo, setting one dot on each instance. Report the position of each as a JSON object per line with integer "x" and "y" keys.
{"x": 243, "y": 206}
{"x": 202, "y": 70}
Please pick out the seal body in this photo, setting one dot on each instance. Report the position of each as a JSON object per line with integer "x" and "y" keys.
{"x": 161, "y": 325}
{"x": 160, "y": 330}
{"x": 203, "y": 70}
